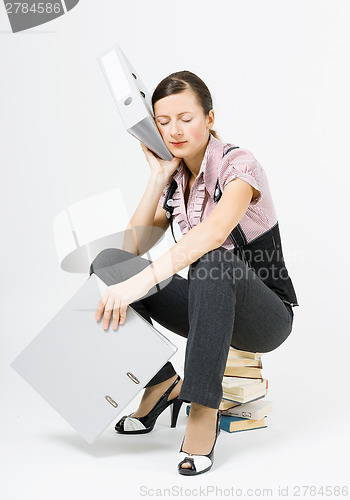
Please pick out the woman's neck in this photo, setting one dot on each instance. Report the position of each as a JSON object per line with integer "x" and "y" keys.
{"x": 193, "y": 163}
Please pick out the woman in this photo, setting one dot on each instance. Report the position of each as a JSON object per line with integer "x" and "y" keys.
{"x": 221, "y": 196}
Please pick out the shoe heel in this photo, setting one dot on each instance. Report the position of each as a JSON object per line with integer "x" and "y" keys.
{"x": 175, "y": 411}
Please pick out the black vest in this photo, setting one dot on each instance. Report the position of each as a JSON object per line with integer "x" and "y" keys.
{"x": 263, "y": 255}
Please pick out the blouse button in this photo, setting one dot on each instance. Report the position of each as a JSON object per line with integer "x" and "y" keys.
{"x": 170, "y": 202}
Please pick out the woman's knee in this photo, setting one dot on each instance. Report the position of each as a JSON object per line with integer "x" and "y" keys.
{"x": 108, "y": 257}
{"x": 262, "y": 340}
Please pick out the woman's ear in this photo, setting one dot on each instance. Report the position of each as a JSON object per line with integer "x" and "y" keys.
{"x": 211, "y": 119}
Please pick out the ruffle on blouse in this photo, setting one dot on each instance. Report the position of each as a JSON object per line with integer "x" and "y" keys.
{"x": 178, "y": 216}
{"x": 196, "y": 208}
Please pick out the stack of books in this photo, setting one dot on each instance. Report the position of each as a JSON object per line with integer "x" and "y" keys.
{"x": 243, "y": 406}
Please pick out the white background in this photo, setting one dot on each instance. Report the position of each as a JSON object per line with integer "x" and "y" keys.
{"x": 278, "y": 72}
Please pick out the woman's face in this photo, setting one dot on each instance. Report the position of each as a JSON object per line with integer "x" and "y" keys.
{"x": 182, "y": 124}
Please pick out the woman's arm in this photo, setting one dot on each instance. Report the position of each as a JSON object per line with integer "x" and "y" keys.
{"x": 139, "y": 230}
{"x": 206, "y": 236}
{"x": 140, "y": 234}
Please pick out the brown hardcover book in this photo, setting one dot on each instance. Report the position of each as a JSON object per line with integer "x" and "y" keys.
{"x": 243, "y": 386}
{"x": 236, "y": 424}
{"x": 243, "y": 371}
{"x": 244, "y": 399}
{"x": 226, "y": 405}
{"x": 244, "y": 354}
{"x": 238, "y": 361}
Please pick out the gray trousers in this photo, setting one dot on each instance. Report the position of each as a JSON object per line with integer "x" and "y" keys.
{"x": 222, "y": 303}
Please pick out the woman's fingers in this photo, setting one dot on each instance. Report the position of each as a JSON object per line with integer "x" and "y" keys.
{"x": 119, "y": 314}
{"x": 145, "y": 149}
{"x": 123, "y": 314}
{"x": 100, "y": 308}
{"x": 110, "y": 306}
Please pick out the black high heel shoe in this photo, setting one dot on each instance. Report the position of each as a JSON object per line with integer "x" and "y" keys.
{"x": 198, "y": 463}
{"x": 141, "y": 425}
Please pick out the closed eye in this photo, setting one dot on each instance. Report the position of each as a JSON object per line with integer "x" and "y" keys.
{"x": 166, "y": 123}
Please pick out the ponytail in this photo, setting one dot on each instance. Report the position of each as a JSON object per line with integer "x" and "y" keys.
{"x": 214, "y": 133}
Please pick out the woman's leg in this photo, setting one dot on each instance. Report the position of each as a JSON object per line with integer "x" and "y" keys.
{"x": 168, "y": 304}
{"x": 228, "y": 305}
{"x": 222, "y": 303}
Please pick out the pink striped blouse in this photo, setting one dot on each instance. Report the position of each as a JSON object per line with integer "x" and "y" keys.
{"x": 260, "y": 215}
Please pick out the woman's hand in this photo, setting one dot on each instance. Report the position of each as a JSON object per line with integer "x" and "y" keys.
{"x": 116, "y": 300}
{"x": 160, "y": 168}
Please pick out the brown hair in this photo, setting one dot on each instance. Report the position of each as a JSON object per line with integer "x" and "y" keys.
{"x": 179, "y": 82}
